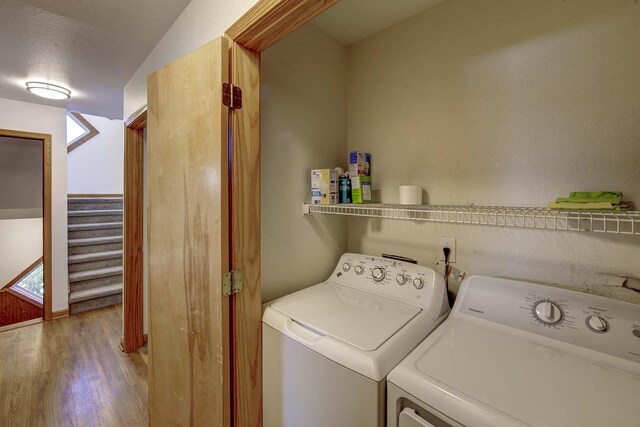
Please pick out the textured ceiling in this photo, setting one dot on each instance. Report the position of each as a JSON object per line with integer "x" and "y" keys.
{"x": 92, "y": 47}
{"x": 350, "y": 21}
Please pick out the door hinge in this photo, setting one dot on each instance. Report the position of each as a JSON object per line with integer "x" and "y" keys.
{"x": 231, "y": 96}
{"x": 232, "y": 283}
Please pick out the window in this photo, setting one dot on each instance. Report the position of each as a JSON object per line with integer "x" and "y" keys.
{"x": 79, "y": 130}
{"x": 32, "y": 284}
{"x": 75, "y": 129}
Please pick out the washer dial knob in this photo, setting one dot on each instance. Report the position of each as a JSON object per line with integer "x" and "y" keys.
{"x": 378, "y": 274}
{"x": 548, "y": 312}
{"x": 418, "y": 283}
{"x": 346, "y": 267}
{"x": 401, "y": 279}
{"x": 359, "y": 269}
{"x": 597, "y": 323}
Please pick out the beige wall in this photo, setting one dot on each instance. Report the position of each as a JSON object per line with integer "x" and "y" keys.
{"x": 27, "y": 117}
{"x": 97, "y": 167}
{"x": 303, "y": 126}
{"x": 492, "y": 102}
{"x": 503, "y": 103}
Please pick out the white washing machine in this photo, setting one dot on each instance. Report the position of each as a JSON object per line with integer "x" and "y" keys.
{"x": 520, "y": 354}
{"x": 327, "y": 349}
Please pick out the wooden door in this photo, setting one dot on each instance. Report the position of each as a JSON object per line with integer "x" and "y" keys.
{"x": 188, "y": 240}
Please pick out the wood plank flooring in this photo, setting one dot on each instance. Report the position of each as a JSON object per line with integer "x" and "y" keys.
{"x": 71, "y": 372}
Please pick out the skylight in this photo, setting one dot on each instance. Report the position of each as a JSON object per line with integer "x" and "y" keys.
{"x": 75, "y": 129}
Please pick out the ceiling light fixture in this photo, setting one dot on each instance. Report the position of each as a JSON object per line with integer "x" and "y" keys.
{"x": 48, "y": 90}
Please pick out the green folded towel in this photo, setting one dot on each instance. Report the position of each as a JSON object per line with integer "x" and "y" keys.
{"x": 613, "y": 197}
{"x": 584, "y": 206}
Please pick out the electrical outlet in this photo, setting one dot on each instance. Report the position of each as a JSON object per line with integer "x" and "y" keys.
{"x": 447, "y": 242}
{"x": 457, "y": 274}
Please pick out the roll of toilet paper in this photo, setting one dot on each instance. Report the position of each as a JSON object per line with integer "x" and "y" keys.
{"x": 410, "y": 195}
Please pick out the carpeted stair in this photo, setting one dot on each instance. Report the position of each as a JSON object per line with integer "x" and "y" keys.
{"x": 95, "y": 252}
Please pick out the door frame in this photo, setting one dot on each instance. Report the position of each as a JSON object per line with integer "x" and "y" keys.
{"x": 267, "y": 22}
{"x": 133, "y": 246}
{"x": 46, "y": 210}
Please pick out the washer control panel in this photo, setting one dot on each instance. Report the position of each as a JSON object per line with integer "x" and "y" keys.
{"x": 598, "y": 323}
{"x": 398, "y": 280}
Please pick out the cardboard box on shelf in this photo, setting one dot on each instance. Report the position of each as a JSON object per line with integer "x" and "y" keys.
{"x": 361, "y": 189}
{"x": 324, "y": 187}
{"x": 359, "y": 163}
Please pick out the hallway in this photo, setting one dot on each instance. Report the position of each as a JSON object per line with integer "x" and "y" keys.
{"x": 71, "y": 372}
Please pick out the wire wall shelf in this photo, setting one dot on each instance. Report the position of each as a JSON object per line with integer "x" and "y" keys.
{"x": 500, "y": 216}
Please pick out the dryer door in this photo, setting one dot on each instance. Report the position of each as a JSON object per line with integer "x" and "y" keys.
{"x": 409, "y": 418}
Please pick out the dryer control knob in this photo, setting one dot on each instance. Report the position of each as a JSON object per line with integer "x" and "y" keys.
{"x": 548, "y": 312}
{"x": 401, "y": 279}
{"x": 346, "y": 267}
{"x": 418, "y": 283}
{"x": 359, "y": 269}
{"x": 378, "y": 274}
{"x": 597, "y": 323}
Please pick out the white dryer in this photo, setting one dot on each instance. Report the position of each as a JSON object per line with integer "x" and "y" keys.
{"x": 327, "y": 349}
{"x": 520, "y": 354}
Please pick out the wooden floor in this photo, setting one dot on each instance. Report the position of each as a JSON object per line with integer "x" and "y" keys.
{"x": 71, "y": 372}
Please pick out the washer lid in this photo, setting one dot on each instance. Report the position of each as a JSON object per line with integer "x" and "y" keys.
{"x": 357, "y": 318}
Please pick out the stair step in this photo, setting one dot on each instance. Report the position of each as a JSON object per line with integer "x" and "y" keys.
{"x": 94, "y": 283}
{"x": 93, "y": 199}
{"x": 95, "y": 241}
{"x": 94, "y": 226}
{"x": 93, "y": 293}
{"x": 95, "y": 303}
{"x": 79, "y": 276}
{"x": 96, "y": 265}
{"x": 105, "y": 203}
{"x": 100, "y": 212}
{"x": 113, "y": 246}
{"x": 94, "y": 256}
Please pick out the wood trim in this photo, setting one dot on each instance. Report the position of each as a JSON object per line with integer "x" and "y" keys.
{"x": 22, "y": 273}
{"x": 23, "y": 297}
{"x": 245, "y": 240}
{"x": 133, "y": 244}
{"x": 271, "y": 20}
{"x": 76, "y": 195}
{"x": 58, "y": 314}
{"x": 46, "y": 209}
{"x": 263, "y": 25}
{"x": 138, "y": 120}
{"x": 47, "y": 255}
{"x": 21, "y": 324}
{"x": 92, "y": 131}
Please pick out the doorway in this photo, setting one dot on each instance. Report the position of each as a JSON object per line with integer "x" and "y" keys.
{"x": 133, "y": 336}
{"x": 25, "y": 227}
